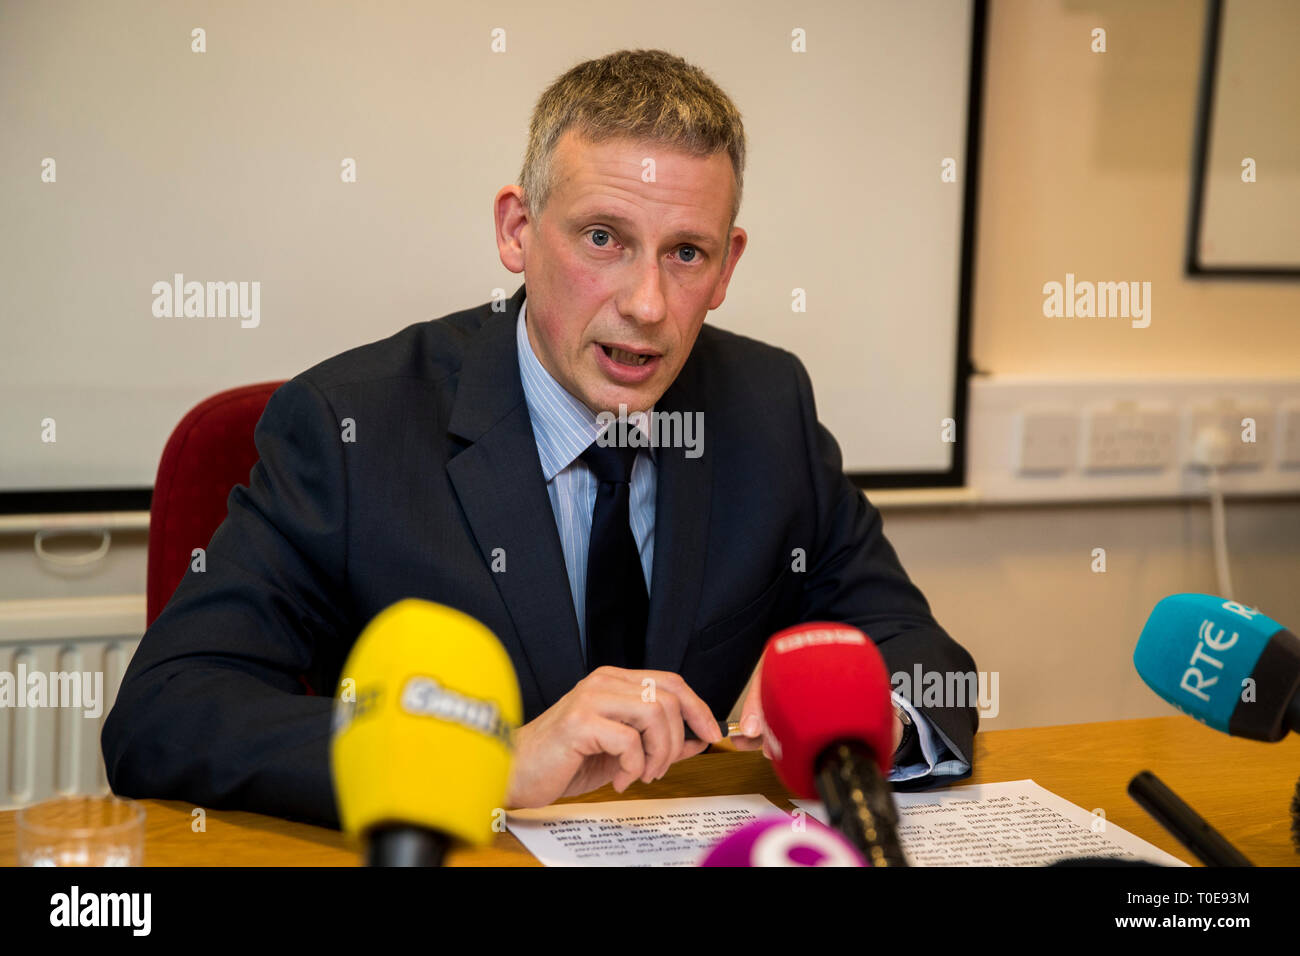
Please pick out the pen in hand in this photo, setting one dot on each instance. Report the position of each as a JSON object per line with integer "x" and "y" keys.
{"x": 731, "y": 728}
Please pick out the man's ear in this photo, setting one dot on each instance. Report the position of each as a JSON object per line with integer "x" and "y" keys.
{"x": 735, "y": 247}
{"x": 511, "y": 217}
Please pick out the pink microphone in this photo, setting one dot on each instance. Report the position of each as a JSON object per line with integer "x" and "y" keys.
{"x": 783, "y": 841}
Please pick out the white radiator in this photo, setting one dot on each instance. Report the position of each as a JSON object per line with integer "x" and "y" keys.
{"x": 48, "y": 750}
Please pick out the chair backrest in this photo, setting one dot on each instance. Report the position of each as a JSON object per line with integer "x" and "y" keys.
{"x": 208, "y": 453}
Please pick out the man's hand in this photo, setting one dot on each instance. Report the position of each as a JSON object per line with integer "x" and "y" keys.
{"x": 755, "y": 729}
{"x": 616, "y": 726}
{"x": 751, "y": 718}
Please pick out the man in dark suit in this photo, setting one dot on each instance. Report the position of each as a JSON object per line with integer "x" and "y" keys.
{"x": 409, "y": 467}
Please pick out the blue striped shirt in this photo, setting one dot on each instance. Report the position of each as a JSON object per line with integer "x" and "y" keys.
{"x": 564, "y": 427}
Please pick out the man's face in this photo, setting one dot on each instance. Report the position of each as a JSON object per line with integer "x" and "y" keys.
{"x": 622, "y": 272}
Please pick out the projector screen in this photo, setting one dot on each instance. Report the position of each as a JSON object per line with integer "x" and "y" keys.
{"x": 1246, "y": 176}
{"x": 136, "y": 160}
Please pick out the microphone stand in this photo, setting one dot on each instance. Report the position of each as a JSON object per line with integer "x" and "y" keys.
{"x": 858, "y": 801}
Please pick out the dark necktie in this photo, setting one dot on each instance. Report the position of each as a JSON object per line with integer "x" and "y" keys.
{"x": 617, "y": 602}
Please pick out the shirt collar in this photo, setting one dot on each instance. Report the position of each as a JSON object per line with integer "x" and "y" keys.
{"x": 563, "y": 426}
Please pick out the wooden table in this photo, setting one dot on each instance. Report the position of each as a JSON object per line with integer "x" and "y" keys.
{"x": 1241, "y": 787}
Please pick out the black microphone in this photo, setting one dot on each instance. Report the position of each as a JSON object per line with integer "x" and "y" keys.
{"x": 1186, "y": 825}
{"x": 1295, "y": 818}
{"x": 1101, "y": 861}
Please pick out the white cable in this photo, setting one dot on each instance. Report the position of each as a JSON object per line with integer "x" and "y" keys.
{"x": 1219, "y": 532}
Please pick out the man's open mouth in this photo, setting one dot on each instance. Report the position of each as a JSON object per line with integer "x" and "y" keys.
{"x": 626, "y": 357}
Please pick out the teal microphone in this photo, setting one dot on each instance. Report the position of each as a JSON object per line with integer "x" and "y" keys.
{"x": 1228, "y": 665}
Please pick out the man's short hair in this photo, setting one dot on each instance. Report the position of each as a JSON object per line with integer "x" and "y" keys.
{"x": 648, "y": 95}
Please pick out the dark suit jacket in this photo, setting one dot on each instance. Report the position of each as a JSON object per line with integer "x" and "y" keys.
{"x": 444, "y": 469}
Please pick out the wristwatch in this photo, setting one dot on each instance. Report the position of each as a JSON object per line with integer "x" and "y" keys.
{"x": 909, "y": 734}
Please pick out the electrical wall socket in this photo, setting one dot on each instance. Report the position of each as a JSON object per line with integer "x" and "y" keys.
{"x": 1048, "y": 440}
{"x": 1288, "y": 435}
{"x": 1247, "y": 425}
{"x": 1136, "y": 438}
{"x": 1128, "y": 436}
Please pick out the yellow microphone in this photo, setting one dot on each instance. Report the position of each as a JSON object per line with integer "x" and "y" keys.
{"x": 421, "y": 748}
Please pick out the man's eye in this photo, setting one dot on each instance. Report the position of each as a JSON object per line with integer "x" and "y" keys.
{"x": 688, "y": 254}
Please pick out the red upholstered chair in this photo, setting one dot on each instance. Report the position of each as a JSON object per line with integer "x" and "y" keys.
{"x": 209, "y": 452}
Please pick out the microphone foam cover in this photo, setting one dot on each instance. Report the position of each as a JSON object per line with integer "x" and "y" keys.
{"x": 822, "y": 682}
{"x": 427, "y": 701}
{"x": 1196, "y": 651}
{"x": 783, "y": 841}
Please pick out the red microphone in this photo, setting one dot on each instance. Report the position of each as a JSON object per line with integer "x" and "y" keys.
{"x": 830, "y": 727}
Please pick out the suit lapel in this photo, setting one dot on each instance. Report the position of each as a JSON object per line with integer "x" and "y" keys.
{"x": 684, "y": 486}
{"x": 499, "y": 482}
